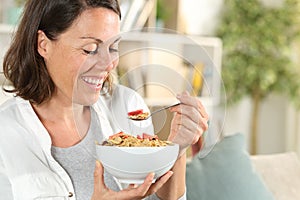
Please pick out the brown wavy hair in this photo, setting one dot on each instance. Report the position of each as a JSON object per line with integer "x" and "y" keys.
{"x": 22, "y": 65}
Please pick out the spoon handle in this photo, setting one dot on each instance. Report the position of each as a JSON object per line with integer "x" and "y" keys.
{"x": 164, "y": 108}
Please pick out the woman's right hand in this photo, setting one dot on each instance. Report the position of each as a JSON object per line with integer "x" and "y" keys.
{"x": 101, "y": 192}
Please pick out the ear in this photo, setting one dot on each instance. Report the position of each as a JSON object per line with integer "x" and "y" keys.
{"x": 43, "y": 44}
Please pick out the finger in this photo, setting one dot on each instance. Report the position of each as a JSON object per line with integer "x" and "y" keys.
{"x": 133, "y": 191}
{"x": 185, "y": 137}
{"x": 191, "y": 112}
{"x": 191, "y": 125}
{"x": 147, "y": 183}
{"x": 186, "y": 99}
{"x": 98, "y": 177}
{"x": 197, "y": 123}
{"x": 192, "y": 121}
{"x": 190, "y": 118}
{"x": 186, "y": 93}
{"x": 197, "y": 146}
{"x": 187, "y": 109}
{"x": 184, "y": 131}
{"x": 160, "y": 182}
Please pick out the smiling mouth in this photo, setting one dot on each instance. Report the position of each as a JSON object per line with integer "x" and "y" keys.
{"x": 93, "y": 81}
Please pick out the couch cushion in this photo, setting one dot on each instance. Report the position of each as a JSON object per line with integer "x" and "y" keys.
{"x": 226, "y": 173}
{"x": 281, "y": 172}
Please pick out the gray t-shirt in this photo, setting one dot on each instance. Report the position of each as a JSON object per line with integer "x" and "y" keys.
{"x": 79, "y": 162}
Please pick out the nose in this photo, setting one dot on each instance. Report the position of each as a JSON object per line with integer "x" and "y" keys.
{"x": 106, "y": 60}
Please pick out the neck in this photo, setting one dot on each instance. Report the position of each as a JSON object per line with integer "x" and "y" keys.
{"x": 66, "y": 123}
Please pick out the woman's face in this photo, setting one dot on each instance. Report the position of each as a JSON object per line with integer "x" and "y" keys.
{"x": 81, "y": 58}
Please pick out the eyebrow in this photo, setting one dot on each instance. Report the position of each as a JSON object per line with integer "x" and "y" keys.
{"x": 100, "y": 41}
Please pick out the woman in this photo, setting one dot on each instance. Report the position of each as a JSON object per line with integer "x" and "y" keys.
{"x": 59, "y": 62}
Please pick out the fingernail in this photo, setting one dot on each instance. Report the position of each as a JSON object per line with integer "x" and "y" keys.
{"x": 186, "y": 93}
{"x": 178, "y": 96}
{"x": 152, "y": 175}
{"x": 97, "y": 163}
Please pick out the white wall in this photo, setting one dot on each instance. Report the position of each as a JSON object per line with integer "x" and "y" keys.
{"x": 272, "y": 127}
{"x": 200, "y": 16}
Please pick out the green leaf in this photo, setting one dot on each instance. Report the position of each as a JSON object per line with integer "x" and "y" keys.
{"x": 257, "y": 43}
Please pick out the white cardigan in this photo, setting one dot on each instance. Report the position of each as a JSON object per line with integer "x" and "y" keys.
{"x": 27, "y": 169}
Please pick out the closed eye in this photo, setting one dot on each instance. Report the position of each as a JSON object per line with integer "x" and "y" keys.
{"x": 90, "y": 52}
{"x": 91, "y": 48}
{"x": 113, "y": 50}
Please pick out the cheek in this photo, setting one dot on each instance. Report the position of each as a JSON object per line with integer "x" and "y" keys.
{"x": 72, "y": 62}
{"x": 75, "y": 65}
{"x": 64, "y": 69}
{"x": 60, "y": 61}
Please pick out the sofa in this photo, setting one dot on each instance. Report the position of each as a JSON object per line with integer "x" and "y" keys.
{"x": 281, "y": 174}
{"x": 228, "y": 172}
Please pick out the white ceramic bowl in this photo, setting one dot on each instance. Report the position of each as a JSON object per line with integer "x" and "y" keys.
{"x": 133, "y": 164}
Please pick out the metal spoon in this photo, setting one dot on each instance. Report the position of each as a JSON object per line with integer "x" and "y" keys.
{"x": 154, "y": 112}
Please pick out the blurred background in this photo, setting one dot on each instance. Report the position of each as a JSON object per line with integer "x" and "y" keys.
{"x": 241, "y": 57}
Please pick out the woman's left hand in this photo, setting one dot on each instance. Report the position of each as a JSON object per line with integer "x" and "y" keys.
{"x": 189, "y": 122}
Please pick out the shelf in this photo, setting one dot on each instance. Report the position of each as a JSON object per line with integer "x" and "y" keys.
{"x": 163, "y": 64}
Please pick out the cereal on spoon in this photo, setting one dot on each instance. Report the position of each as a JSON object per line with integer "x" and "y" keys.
{"x": 138, "y": 115}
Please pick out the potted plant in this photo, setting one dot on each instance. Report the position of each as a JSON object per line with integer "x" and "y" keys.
{"x": 257, "y": 41}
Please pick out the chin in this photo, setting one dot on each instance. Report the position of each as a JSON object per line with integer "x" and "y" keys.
{"x": 87, "y": 100}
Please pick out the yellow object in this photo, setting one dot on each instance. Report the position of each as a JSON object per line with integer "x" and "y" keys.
{"x": 197, "y": 80}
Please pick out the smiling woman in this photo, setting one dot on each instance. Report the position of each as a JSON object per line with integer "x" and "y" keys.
{"x": 86, "y": 61}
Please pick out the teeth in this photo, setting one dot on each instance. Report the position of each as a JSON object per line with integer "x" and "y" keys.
{"x": 93, "y": 81}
